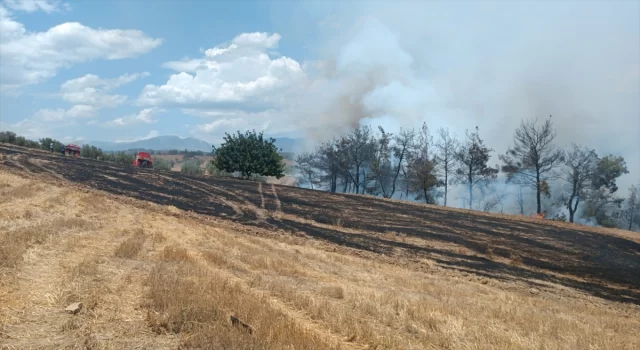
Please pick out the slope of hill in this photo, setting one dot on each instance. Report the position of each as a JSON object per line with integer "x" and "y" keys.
{"x": 303, "y": 268}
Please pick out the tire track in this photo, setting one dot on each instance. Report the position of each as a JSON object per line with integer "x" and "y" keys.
{"x": 275, "y": 195}
{"x": 261, "y": 195}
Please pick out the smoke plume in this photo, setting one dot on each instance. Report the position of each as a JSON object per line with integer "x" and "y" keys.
{"x": 466, "y": 63}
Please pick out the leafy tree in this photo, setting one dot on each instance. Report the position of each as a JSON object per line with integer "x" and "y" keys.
{"x": 533, "y": 157}
{"x": 250, "y": 154}
{"x": 447, "y": 146}
{"x": 8, "y": 137}
{"x": 603, "y": 189}
{"x": 91, "y": 152}
{"x": 580, "y": 168}
{"x": 472, "y": 169}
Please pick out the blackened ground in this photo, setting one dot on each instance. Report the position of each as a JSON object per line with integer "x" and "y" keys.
{"x": 604, "y": 265}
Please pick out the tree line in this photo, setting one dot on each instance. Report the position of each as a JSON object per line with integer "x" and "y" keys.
{"x": 191, "y": 165}
{"x": 86, "y": 151}
{"x": 414, "y": 165}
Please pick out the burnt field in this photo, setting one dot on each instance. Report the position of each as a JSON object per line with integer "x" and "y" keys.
{"x": 540, "y": 254}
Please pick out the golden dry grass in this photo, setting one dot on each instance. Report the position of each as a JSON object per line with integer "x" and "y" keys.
{"x": 132, "y": 245}
{"x": 178, "y": 281}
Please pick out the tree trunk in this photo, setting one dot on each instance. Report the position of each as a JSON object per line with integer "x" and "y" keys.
{"x": 356, "y": 182}
{"x": 572, "y": 208}
{"x": 395, "y": 178}
{"x": 446, "y": 186}
{"x": 470, "y": 180}
{"x": 520, "y": 200}
{"x": 632, "y": 212}
{"x": 538, "y": 185}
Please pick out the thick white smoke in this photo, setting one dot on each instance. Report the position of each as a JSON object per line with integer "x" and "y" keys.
{"x": 465, "y": 63}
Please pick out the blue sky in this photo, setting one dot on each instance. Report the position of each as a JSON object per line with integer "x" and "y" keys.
{"x": 126, "y": 70}
{"x": 172, "y": 30}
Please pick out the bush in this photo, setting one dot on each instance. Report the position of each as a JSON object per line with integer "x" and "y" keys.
{"x": 249, "y": 154}
{"x": 192, "y": 167}
{"x": 162, "y": 164}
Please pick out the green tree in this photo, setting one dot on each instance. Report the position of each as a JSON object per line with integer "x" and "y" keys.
{"x": 8, "y": 137}
{"x": 249, "y": 154}
{"x": 603, "y": 197}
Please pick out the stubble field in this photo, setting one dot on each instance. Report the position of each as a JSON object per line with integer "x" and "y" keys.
{"x": 161, "y": 260}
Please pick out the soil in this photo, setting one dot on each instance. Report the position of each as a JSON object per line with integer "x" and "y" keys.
{"x": 599, "y": 262}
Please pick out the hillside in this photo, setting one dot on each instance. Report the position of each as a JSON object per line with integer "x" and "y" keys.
{"x": 171, "y": 257}
{"x": 178, "y": 161}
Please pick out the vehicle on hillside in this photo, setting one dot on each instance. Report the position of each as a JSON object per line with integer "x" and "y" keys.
{"x": 72, "y": 149}
{"x": 143, "y": 160}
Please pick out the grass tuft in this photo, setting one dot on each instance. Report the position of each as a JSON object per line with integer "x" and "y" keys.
{"x": 130, "y": 247}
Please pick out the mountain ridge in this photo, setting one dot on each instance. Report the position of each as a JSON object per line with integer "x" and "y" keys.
{"x": 169, "y": 142}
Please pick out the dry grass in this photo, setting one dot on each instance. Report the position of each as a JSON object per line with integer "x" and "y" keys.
{"x": 179, "y": 281}
{"x": 189, "y": 299}
{"x": 15, "y": 241}
{"x": 130, "y": 248}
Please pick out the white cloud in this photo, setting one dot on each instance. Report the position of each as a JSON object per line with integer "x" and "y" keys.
{"x": 32, "y": 129}
{"x": 47, "y": 6}
{"x": 145, "y": 116}
{"x": 92, "y": 90}
{"x": 32, "y": 57}
{"x": 73, "y": 138}
{"x": 217, "y": 124}
{"x": 66, "y": 115}
{"x": 239, "y": 75}
{"x": 272, "y": 122}
{"x": 150, "y": 135}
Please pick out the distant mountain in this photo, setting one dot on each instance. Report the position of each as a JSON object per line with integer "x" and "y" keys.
{"x": 159, "y": 143}
{"x": 164, "y": 143}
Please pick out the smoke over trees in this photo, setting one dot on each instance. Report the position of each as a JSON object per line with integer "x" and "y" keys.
{"x": 472, "y": 158}
{"x": 580, "y": 169}
{"x": 447, "y": 146}
{"x": 413, "y": 164}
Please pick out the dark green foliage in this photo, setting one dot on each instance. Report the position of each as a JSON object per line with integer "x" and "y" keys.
{"x": 119, "y": 157}
{"x": 249, "y": 154}
{"x": 46, "y": 142}
{"x": 92, "y": 152}
{"x": 609, "y": 168}
{"x": 12, "y": 138}
{"x": 8, "y": 137}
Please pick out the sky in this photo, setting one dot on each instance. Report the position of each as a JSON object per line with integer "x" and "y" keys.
{"x": 128, "y": 70}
